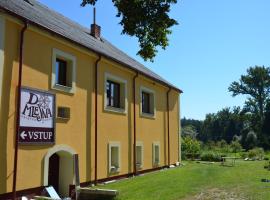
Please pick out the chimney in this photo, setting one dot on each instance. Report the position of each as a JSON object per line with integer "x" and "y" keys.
{"x": 95, "y": 29}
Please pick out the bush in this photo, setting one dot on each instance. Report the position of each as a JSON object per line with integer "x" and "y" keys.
{"x": 243, "y": 155}
{"x": 256, "y": 154}
{"x": 236, "y": 146}
{"x": 190, "y": 148}
{"x": 211, "y": 156}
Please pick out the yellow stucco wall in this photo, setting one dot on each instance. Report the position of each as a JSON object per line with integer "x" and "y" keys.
{"x": 78, "y": 132}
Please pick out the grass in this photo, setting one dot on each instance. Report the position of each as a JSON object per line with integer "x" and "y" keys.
{"x": 193, "y": 179}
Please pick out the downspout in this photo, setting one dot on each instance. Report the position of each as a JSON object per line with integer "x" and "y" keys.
{"x": 134, "y": 124}
{"x": 168, "y": 118}
{"x": 18, "y": 110}
{"x": 96, "y": 117}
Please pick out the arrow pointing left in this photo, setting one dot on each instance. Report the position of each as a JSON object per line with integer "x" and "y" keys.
{"x": 23, "y": 135}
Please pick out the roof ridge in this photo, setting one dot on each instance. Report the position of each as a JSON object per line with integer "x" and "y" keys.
{"x": 55, "y": 22}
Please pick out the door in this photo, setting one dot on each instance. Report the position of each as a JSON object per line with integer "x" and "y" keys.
{"x": 53, "y": 179}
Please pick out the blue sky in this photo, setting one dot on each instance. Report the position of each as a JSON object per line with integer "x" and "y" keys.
{"x": 214, "y": 43}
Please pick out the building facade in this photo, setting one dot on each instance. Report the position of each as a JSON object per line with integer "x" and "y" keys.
{"x": 119, "y": 117}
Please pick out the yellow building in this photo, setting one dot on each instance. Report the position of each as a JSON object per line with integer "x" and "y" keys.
{"x": 119, "y": 117}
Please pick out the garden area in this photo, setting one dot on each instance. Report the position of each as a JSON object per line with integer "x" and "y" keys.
{"x": 225, "y": 156}
{"x": 199, "y": 181}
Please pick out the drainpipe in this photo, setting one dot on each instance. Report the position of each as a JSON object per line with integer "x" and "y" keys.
{"x": 134, "y": 124}
{"x": 18, "y": 110}
{"x": 168, "y": 118}
{"x": 96, "y": 114}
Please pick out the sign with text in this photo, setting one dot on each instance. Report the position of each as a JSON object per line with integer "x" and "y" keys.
{"x": 37, "y": 114}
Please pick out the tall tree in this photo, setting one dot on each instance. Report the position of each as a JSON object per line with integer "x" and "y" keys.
{"x": 147, "y": 20}
{"x": 256, "y": 85}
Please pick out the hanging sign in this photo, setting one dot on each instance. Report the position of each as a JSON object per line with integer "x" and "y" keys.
{"x": 37, "y": 115}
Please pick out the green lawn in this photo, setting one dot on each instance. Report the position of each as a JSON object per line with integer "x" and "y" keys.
{"x": 189, "y": 181}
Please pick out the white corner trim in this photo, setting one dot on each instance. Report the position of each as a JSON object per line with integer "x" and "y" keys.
{"x": 57, "y": 148}
{"x": 66, "y": 56}
{"x": 150, "y": 91}
{"x": 156, "y": 143}
{"x": 2, "y": 53}
{"x": 117, "y": 79}
{"x": 114, "y": 144}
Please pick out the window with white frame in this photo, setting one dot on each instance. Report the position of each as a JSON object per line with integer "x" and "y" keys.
{"x": 114, "y": 157}
{"x": 63, "y": 71}
{"x": 115, "y": 93}
{"x": 147, "y": 102}
{"x": 156, "y": 153}
{"x": 139, "y": 155}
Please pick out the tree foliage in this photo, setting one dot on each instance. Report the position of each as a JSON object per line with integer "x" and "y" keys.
{"x": 190, "y": 147}
{"x": 256, "y": 85}
{"x": 190, "y": 131}
{"x": 225, "y": 124}
{"x": 147, "y": 20}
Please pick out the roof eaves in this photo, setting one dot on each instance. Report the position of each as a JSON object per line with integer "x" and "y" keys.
{"x": 91, "y": 49}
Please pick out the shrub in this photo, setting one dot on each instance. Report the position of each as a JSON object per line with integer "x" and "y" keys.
{"x": 236, "y": 146}
{"x": 256, "y": 154}
{"x": 243, "y": 155}
{"x": 211, "y": 156}
{"x": 190, "y": 147}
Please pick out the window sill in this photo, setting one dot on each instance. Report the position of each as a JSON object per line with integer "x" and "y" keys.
{"x": 63, "y": 88}
{"x": 115, "y": 110}
{"x": 114, "y": 170}
{"x": 139, "y": 166}
{"x": 148, "y": 115}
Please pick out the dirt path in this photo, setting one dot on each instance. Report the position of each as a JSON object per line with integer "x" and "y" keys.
{"x": 217, "y": 194}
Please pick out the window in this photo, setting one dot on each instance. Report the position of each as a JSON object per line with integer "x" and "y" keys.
{"x": 156, "y": 153}
{"x": 63, "y": 71}
{"x": 115, "y": 94}
{"x": 147, "y": 102}
{"x": 61, "y": 76}
{"x": 114, "y": 157}
{"x": 139, "y": 155}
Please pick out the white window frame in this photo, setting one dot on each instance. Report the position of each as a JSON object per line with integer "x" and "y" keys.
{"x": 153, "y": 151}
{"x": 139, "y": 144}
{"x": 123, "y": 83}
{"x": 153, "y": 94}
{"x": 111, "y": 169}
{"x": 71, "y": 59}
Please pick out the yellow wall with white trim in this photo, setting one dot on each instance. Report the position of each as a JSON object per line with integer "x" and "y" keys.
{"x": 78, "y": 132}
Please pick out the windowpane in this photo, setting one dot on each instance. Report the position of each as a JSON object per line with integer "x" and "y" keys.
{"x": 145, "y": 102}
{"x": 156, "y": 149}
{"x": 113, "y": 94}
{"x": 138, "y": 155}
{"x": 115, "y": 157}
{"x": 61, "y": 72}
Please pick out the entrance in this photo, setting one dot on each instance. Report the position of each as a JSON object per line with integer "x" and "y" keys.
{"x": 53, "y": 179}
{"x": 58, "y": 169}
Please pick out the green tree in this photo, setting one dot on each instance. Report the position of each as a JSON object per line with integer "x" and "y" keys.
{"x": 147, "y": 20}
{"x": 190, "y": 131}
{"x": 251, "y": 139}
{"x": 190, "y": 147}
{"x": 256, "y": 85}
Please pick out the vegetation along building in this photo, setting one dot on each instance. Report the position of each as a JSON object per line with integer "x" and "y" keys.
{"x": 79, "y": 95}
